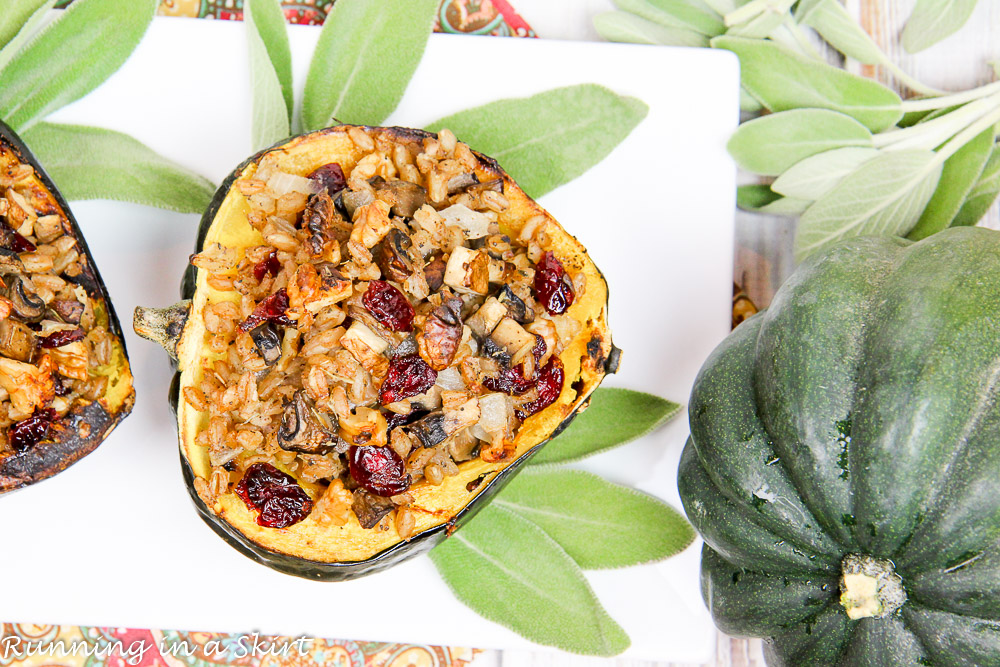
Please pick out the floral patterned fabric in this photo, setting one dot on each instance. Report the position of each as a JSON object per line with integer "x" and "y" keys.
{"x": 477, "y": 17}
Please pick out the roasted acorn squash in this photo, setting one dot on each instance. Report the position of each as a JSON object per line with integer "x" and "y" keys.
{"x": 64, "y": 371}
{"x": 359, "y": 242}
{"x": 844, "y": 459}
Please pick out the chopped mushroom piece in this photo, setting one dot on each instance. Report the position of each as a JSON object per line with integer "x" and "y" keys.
{"x": 301, "y": 430}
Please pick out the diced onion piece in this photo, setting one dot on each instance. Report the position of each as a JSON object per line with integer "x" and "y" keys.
{"x": 450, "y": 379}
{"x": 474, "y": 225}
{"x": 360, "y": 332}
{"x": 496, "y": 413}
{"x": 281, "y": 183}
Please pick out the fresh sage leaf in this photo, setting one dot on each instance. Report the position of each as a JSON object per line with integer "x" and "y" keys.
{"x": 772, "y": 144}
{"x": 958, "y": 176}
{"x": 787, "y": 206}
{"x": 754, "y": 197}
{"x": 933, "y": 20}
{"x": 884, "y": 197}
{"x": 270, "y": 121}
{"x": 93, "y": 163}
{"x": 507, "y": 570}
{"x": 599, "y": 524}
{"x": 269, "y": 23}
{"x": 615, "y": 416}
{"x": 983, "y": 194}
{"x": 840, "y": 30}
{"x": 632, "y": 29}
{"x": 749, "y": 103}
{"x": 14, "y": 14}
{"x": 764, "y": 23}
{"x": 72, "y": 55}
{"x": 26, "y": 32}
{"x": 550, "y": 138}
{"x": 814, "y": 176}
{"x": 366, "y": 55}
{"x": 684, "y": 14}
{"x": 782, "y": 80}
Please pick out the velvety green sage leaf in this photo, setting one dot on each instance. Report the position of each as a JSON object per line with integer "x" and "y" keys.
{"x": 983, "y": 194}
{"x": 814, "y": 176}
{"x": 787, "y": 206}
{"x": 830, "y": 19}
{"x": 754, "y": 197}
{"x": 684, "y": 14}
{"x": 27, "y": 31}
{"x": 782, "y": 80}
{"x": 93, "y": 163}
{"x": 883, "y": 197}
{"x": 366, "y": 55}
{"x": 959, "y": 175}
{"x": 749, "y": 103}
{"x": 270, "y": 121}
{"x": 13, "y": 15}
{"x": 599, "y": 524}
{"x": 550, "y": 138}
{"x": 615, "y": 416}
{"x": 507, "y": 570}
{"x": 933, "y": 20}
{"x": 70, "y": 57}
{"x": 632, "y": 29}
{"x": 764, "y": 23}
{"x": 269, "y": 23}
{"x": 772, "y": 144}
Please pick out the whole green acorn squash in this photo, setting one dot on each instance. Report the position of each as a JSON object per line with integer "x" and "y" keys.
{"x": 844, "y": 460}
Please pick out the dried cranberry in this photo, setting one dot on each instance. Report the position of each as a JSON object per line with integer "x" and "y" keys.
{"x": 21, "y": 244}
{"x": 270, "y": 309}
{"x": 58, "y": 386}
{"x": 276, "y": 495}
{"x": 394, "y": 419}
{"x": 330, "y": 177}
{"x": 389, "y": 306}
{"x": 269, "y": 264}
{"x": 550, "y": 384}
{"x": 552, "y": 288}
{"x": 511, "y": 380}
{"x": 60, "y": 338}
{"x": 29, "y": 432}
{"x": 379, "y": 470}
{"x": 408, "y": 376}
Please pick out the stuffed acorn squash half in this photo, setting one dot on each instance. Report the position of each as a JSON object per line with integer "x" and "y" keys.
{"x": 379, "y": 328}
{"x": 65, "y": 381}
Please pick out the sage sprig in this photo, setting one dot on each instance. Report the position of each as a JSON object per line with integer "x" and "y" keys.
{"x": 846, "y": 153}
{"x": 46, "y": 64}
{"x": 520, "y": 562}
{"x": 270, "y": 73}
{"x": 366, "y": 55}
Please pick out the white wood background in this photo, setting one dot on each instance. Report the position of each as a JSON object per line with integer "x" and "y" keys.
{"x": 764, "y": 243}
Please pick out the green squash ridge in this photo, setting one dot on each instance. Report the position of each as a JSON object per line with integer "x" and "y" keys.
{"x": 720, "y": 396}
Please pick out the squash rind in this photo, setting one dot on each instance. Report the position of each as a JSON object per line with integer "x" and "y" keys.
{"x": 588, "y": 360}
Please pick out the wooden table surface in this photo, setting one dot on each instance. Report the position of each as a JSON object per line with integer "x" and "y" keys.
{"x": 763, "y": 257}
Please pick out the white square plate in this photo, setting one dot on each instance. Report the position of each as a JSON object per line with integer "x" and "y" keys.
{"x": 115, "y": 541}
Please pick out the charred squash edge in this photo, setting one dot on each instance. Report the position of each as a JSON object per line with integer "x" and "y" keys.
{"x": 53, "y": 455}
{"x": 604, "y": 356}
